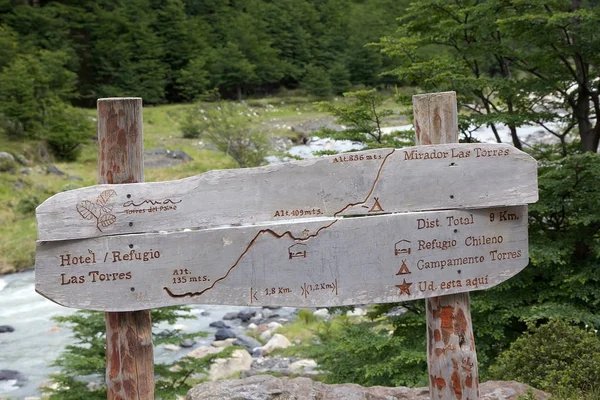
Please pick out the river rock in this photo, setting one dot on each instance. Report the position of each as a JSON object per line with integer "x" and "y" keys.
{"x": 303, "y": 367}
{"x": 247, "y": 342}
{"x": 171, "y": 347}
{"x": 274, "y": 325}
{"x": 6, "y": 328}
{"x": 245, "y": 315}
{"x": 218, "y": 325}
{"x": 240, "y": 361}
{"x": 253, "y": 326}
{"x": 266, "y": 335}
{"x": 224, "y": 343}
{"x": 10, "y": 375}
{"x": 266, "y": 387}
{"x": 203, "y": 351}
{"x": 187, "y": 343}
{"x": 357, "y": 312}
{"x": 224, "y": 333}
{"x": 230, "y": 316}
{"x": 278, "y": 341}
{"x": 321, "y": 313}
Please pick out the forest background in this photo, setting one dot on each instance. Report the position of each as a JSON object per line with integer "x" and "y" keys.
{"x": 512, "y": 62}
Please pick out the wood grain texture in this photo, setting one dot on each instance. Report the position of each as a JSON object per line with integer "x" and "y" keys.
{"x": 371, "y": 182}
{"x": 328, "y": 262}
{"x": 129, "y": 349}
{"x": 451, "y": 355}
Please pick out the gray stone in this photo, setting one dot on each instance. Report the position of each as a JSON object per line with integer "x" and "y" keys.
{"x": 187, "y": 343}
{"x": 224, "y": 333}
{"x": 74, "y": 178}
{"x": 12, "y": 375}
{"x": 218, "y": 325}
{"x": 239, "y": 362}
{"x": 266, "y": 387}
{"x": 6, "y": 328}
{"x": 51, "y": 169}
{"x": 179, "y": 155}
{"x": 157, "y": 152}
{"x": 245, "y": 315}
{"x": 7, "y": 162}
{"x": 230, "y": 316}
{"x": 247, "y": 342}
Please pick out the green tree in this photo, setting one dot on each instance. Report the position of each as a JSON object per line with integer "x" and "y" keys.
{"x": 511, "y": 62}
{"x": 230, "y": 69}
{"x": 317, "y": 82}
{"x": 29, "y": 85}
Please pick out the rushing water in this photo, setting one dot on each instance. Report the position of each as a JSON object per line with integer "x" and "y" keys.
{"x": 37, "y": 340}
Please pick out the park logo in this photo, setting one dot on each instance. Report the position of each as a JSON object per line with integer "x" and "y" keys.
{"x": 98, "y": 210}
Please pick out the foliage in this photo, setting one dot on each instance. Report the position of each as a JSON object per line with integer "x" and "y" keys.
{"x": 65, "y": 130}
{"x": 85, "y": 361}
{"x": 363, "y": 115}
{"x": 225, "y": 125}
{"x": 512, "y": 62}
{"x": 553, "y": 357}
{"x": 173, "y": 50}
{"x": 368, "y": 353}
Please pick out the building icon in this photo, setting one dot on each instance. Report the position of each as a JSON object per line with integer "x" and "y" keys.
{"x": 402, "y": 247}
{"x": 297, "y": 250}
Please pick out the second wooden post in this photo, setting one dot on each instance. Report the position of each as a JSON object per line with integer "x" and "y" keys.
{"x": 129, "y": 349}
{"x": 451, "y": 356}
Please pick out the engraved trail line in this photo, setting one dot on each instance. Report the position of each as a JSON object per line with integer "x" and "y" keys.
{"x": 260, "y": 233}
{"x": 372, "y": 187}
{"x": 279, "y": 236}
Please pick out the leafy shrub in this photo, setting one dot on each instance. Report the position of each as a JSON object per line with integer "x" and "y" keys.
{"x": 65, "y": 130}
{"x": 368, "y": 354}
{"x": 553, "y": 357}
{"x": 28, "y": 204}
{"x": 226, "y": 126}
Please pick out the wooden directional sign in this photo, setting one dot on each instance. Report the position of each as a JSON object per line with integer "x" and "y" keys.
{"x": 331, "y": 262}
{"x": 371, "y": 182}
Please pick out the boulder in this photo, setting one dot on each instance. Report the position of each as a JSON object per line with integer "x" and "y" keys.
{"x": 357, "y": 312}
{"x": 224, "y": 343}
{"x": 245, "y": 315}
{"x": 266, "y": 387}
{"x": 203, "y": 351}
{"x": 6, "y": 328}
{"x": 7, "y": 162}
{"x": 253, "y": 326}
{"x": 274, "y": 325}
{"x": 230, "y": 315}
{"x": 321, "y": 313}
{"x": 303, "y": 366}
{"x": 247, "y": 342}
{"x": 51, "y": 169}
{"x": 179, "y": 155}
{"x": 278, "y": 341}
{"x": 171, "y": 347}
{"x": 240, "y": 361}
{"x": 187, "y": 343}
{"x": 266, "y": 335}
{"x": 224, "y": 333}
{"x": 218, "y": 325}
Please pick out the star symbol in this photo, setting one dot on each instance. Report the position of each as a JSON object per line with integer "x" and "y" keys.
{"x": 405, "y": 287}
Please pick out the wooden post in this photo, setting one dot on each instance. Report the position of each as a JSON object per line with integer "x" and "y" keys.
{"x": 129, "y": 349}
{"x": 451, "y": 356}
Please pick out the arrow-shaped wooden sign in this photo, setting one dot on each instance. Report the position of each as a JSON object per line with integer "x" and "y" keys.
{"x": 331, "y": 262}
{"x": 370, "y": 182}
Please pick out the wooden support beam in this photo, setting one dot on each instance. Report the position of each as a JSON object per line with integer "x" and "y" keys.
{"x": 129, "y": 349}
{"x": 451, "y": 356}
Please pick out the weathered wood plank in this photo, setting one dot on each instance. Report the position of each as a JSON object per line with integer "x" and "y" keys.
{"x": 369, "y": 182}
{"x": 451, "y": 355}
{"x": 331, "y": 262}
{"x": 129, "y": 349}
